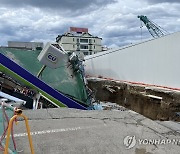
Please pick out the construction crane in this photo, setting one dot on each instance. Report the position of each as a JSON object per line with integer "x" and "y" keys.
{"x": 155, "y": 30}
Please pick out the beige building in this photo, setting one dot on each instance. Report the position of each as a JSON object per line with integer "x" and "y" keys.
{"x": 80, "y": 41}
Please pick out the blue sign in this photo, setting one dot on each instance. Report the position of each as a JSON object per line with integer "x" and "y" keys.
{"x": 51, "y": 57}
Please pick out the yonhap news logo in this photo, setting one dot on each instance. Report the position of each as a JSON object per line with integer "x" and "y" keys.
{"x": 131, "y": 141}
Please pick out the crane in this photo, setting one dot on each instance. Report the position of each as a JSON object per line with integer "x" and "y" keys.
{"x": 155, "y": 30}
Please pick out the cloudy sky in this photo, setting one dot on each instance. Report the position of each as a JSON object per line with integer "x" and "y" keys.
{"x": 114, "y": 20}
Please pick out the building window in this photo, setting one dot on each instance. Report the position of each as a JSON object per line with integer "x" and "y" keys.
{"x": 73, "y": 46}
{"x": 78, "y": 40}
{"x": 90, "y": 41}
{"x": 73, "y": 39}
{"x": 94, "y": 47}
{"x": 94, "y": 41}
{"x": 84, "y": 46}
{"x": 78, "y": 47}
{"x": 85, "y": 53}
{"x": 84, "y": 40}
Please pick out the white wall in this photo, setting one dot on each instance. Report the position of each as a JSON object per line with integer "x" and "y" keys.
{"x": 153, "y": 62}
{"x": 68, "y": 39}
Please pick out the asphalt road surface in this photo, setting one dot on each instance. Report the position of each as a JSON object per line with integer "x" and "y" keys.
{"x": 71, "y": 131}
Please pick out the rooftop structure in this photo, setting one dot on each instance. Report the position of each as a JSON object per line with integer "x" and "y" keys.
{"x": 26, "y": 45}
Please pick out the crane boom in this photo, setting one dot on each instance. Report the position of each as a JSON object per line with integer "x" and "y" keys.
{"x": 155, "y": 30}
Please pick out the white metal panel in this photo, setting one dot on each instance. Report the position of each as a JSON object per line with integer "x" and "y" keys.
{"x": 153, "y": 62}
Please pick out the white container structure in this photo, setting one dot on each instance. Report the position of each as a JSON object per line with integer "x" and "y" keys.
{"x": 155, "y": 62}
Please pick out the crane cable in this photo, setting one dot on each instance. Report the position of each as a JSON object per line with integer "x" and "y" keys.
{"x": 165, "y": 31}
{"x": 141, "y": 30}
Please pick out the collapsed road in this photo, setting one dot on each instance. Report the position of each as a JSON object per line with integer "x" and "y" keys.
{"x": 156, "y": 103}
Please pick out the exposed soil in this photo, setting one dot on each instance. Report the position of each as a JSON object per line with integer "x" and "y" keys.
{"x": 152, "y": 102}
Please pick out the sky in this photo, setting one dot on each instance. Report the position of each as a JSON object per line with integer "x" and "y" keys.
{"x": 115, "y": 21}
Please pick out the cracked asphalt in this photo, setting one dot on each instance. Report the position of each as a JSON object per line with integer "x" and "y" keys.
{"x": 56, "y": 131}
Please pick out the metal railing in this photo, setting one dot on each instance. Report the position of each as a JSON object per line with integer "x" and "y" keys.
{"x": 8, "y": 130}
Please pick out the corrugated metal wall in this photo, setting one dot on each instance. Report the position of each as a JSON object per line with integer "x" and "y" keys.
{"x": 154, "y": 62}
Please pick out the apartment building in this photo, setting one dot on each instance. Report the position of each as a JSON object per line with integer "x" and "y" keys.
{"x": 80, "y": 40}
